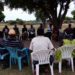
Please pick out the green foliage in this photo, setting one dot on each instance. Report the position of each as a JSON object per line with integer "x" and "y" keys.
{"x": 58, "y": 55}
{"x": 68, "y": 18}
{"x": 11, "y": 22}
{"x": 2, "y": 16}
{"x": 41, "y": 16}
{"x": 1, "y": 6}
{"x": 73, "y": 13}
{"x": 73, "y": 53}
{"x": 66, "y": 42}
{"x": 48, "y": 8}
{"x": 73, "y": 42}
{"x": 19, "y": 21}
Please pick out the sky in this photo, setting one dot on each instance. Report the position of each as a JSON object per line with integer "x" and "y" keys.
{"x": 24, "y": 15}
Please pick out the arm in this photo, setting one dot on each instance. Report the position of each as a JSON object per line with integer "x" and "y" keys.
{"x": 31, "y": 47}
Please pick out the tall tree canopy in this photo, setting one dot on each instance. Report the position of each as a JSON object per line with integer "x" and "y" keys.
{"x": 73, "y": 13}
{"x": 1, "y": 6}
{"x": 49, "y": 8}
{"x": 2, "y": 16}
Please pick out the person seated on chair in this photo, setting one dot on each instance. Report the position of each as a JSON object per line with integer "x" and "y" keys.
{"x": 3, "y": 51}
{"x": 49, "y": 31}
{"x": 16, "y": 30}
{"x": 31, "y": 32}
{"x": 41, "y": 42}
{"x": 12, "y": 41}
{"x": 24, "y": 33}
{"x": 69, "y": 32}
{"x": 5, "y": 31}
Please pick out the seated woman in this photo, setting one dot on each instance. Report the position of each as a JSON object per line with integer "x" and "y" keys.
{"x": 12, "y": 41}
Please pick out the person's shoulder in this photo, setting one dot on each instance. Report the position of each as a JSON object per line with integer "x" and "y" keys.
{"x": 45, "y": 37}
{"x": 34, "y": 39}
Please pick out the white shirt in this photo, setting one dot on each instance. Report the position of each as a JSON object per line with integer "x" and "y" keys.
{"x": 41, "y": 43}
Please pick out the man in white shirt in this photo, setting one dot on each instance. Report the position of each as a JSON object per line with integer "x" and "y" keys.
{"x": 41, "y": 42}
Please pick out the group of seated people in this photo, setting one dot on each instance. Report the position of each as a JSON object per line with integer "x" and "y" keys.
{"x": 26, "y": 33}
{"x": 40, "y": 42}
{"x": 11, "y": 41}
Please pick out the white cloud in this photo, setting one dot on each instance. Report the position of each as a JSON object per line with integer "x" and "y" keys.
{"x": 17, "y": 13}
{"x": 71, "y": 8}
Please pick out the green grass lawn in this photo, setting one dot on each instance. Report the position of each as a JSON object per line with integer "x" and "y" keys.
{"x": 27, "y": 71}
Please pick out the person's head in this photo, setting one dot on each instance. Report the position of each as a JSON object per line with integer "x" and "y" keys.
{"x": 31, "y": 26}
{"x": 1, "y": 34}
{"x": 6, "y": 26}
{"x": 15, "y": 26}
{"x": 69, "y": 25}
{"x": 40, "y": 32}
{"x": 12, "y": 33}
{"x": 24, "y": 26}
{"x": 41, "y": 25}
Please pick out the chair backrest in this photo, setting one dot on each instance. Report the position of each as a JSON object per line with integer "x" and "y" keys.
{"x": 42, "y": 56}
{"x": 13, "y": 52}
{"x": 66, "y": 51}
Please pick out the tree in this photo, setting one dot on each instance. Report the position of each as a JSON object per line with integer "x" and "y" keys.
{"x": 19, "y": 21}
{"x": 2, "y": 16}
{"x": 40, "y": 16}
{"x": 48, "y": 7}
{"x": 1, "y": 6}
{"x": 73, "y": 13}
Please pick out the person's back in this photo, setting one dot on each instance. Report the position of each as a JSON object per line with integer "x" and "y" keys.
{"x": 40, "y": 42}
{"x": 12, "y": 41}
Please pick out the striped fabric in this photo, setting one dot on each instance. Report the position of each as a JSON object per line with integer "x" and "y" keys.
{"x": 13, "y": 43}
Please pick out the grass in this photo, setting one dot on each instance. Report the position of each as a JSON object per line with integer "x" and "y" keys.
{"x": 27, "y": 70}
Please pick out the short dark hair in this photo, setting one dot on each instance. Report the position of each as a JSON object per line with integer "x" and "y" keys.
{"x": 40, "y": 32}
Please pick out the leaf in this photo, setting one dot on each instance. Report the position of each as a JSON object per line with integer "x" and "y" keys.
{"x": 58, "y": 55}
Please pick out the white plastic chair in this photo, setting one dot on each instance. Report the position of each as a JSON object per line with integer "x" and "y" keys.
{"x": 43, "y": 58}
{"x": 66, "y": 54}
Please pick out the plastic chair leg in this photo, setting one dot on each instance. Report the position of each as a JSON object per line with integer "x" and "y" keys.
{"x": 51, "y": 68}
{"x": 19, "y": 64}
{"x": 10, "y": 61}
{"x": 33, "y": 68}
{"x": 60, "y": 66}
{"x": 37, "y": 69}
{"x": 72, "y": 65}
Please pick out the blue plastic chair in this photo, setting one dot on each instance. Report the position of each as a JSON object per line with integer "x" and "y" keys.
{"x": 14, "y": 56}
{"x": 27, "y": 53}
{"x": 2, "y": 56}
